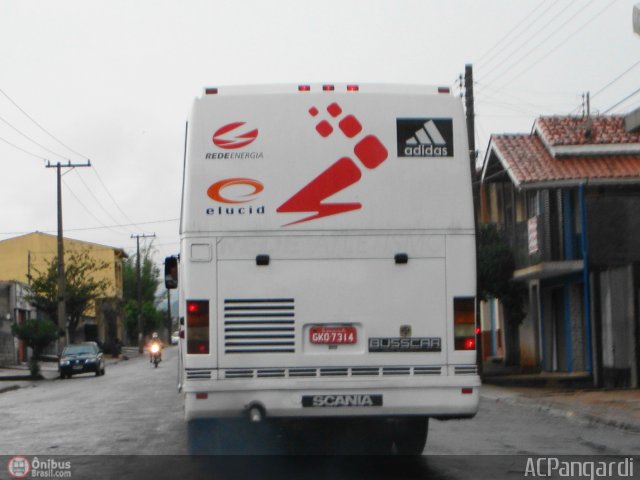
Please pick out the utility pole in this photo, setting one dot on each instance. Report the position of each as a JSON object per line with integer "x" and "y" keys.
{"x": 62, "y": 311}
{"x": 169, "y": 325}
{"x": 139, "y": 287}
{"x": 475, "y": 188}
{"x": 468, "y": 101}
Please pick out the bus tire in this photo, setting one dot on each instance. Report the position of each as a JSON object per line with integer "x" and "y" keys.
{"x": 410, "y": 436}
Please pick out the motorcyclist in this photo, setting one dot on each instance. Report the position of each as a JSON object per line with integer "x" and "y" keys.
{"x": 155, "y": 339}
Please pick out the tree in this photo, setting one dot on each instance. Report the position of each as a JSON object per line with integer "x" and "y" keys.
{"x": 495, "y": 271}
{"x": 152, "y": 318}
{"x": 37, "y": 335}
{"x": 82, "y": 287}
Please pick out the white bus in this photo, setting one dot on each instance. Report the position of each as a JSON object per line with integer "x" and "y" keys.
{"x": 327, "y": 259}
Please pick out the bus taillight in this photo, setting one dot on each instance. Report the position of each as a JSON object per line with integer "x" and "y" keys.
{"x": 464, "y": 323}
{"x": 198, "y": 326}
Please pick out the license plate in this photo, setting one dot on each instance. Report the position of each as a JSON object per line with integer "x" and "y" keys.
{"x": 77, "y": 367}
{"x": 333, "y": 335}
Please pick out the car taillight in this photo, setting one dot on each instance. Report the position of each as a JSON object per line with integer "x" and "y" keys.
{"x": 464, "y": 323}
{"x": 198, "y": 326}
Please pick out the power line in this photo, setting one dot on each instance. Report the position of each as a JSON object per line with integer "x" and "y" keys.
{"x": 32, "y": 140}
{"x": 98, "y": 201}
{"x": 41, "y": 127}
{"x": 22, "y": 149}
{"x": 532, "y": 22}
{"x": 621, "y": 101}
{"x": 616, "y": 79}
{"x": 84, "y": 229}
{"x": 562, "y": 43}
{"x": 526, "y": 55}
{"x": 95, "y": 170}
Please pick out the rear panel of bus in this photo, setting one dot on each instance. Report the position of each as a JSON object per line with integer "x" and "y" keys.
{"x": 327, "y": 233}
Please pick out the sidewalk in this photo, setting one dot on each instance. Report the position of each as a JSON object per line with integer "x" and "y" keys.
{"x": 617, "y": 408}
{"x": 17, "y": 376}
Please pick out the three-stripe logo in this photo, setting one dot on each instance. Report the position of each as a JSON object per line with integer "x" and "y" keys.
{"x": 425, "y": 137}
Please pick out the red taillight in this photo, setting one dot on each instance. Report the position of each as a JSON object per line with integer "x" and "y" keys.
{"x": 202, "y": 396}
{"x": 352, "y": 88}
{"x": 197, "y": 326}
{"x": 304, "y": 88}
{"x": 328, "y": 88}
{"x": 467, "y": 391}
{"x": 464, "y": 323}
{"x": 192, "y": 307}
{"x": 210, "y": 91}
{"x": 444, "y": 90}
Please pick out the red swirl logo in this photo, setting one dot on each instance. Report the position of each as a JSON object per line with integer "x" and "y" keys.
{"x": 234, "y": 136}
{"x": 239, "y": 195}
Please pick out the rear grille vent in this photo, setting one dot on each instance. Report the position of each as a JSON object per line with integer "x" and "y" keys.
{"x": 466, "y": 370}
{"x": 312, "y": 372}
{"x": 426, "y": 370}
{"x": 396, "y": 371}
{"x": 365, "y": 371}
{"x": 334, "y": 372}
{"x": 259, "y": 325}
{"x": 198, "y": 373}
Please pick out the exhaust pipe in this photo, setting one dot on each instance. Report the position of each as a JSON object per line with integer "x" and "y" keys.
{"x": 256, "y": 413}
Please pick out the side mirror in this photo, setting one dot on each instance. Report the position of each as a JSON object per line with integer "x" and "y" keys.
{"x": 171, "y": 272}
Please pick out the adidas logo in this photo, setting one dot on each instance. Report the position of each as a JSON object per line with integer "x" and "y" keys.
{"x": 423, "y": 138}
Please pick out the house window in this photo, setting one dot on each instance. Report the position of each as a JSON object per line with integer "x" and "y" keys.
{"x": 533, "y": 204}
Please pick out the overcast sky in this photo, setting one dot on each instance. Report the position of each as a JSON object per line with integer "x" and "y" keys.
{"x": 113, "y": 81}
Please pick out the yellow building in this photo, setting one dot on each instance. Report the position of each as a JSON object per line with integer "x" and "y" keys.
{"x": 28, "y": 254}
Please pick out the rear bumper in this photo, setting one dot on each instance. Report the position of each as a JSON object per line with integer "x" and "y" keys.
{"x": 451, "y": 397}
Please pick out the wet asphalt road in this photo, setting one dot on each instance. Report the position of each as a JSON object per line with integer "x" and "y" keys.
{"x": 129, "y": 424}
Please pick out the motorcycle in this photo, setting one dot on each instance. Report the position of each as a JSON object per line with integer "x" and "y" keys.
{"x": 155, "y": 354}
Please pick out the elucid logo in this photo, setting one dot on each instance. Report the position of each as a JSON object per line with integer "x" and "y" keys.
{"x": 235, "y": 190}
{"x": 18, "y": 467}
{"x": 234, "y": 135}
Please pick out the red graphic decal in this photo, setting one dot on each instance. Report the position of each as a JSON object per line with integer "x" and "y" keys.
{"x": 370, "y": 151}
{"x": 350, "y": 126}
{"x": 232, "y": 136}
{"x": 342, "y": 174}
{"x": 334, "y": 110}
{"x": 337, "y": 177}
{"x": 324, "y": 128}
{"x": 215, "y": 191}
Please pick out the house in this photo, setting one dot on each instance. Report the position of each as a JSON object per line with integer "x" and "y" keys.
{"x": 23, "y": 256}
{"x": 14, "y": 307}
{"x": 566, "y": 198}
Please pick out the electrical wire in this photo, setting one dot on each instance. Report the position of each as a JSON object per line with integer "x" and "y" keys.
{"x": 95, "y": 170}
{"x": 615, "y": 79}
{"x": 531, "y": 24}
{"x": 98, "y": 201}
{"x": 621, "y": 101}
{"x": 32, "y": 140}
{"x": 562, "y": 43}
{"x": 84, "y": 157}
{"x": 525, "y": 56}
{"x": 22, "y": 149}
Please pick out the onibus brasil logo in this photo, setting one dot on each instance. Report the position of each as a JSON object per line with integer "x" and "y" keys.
{"x": 20, "y": 467}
